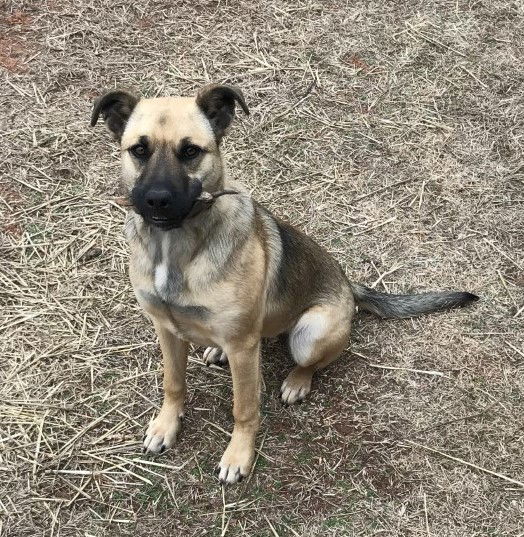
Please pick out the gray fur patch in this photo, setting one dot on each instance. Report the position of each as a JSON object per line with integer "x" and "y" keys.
{"x": 195, "y": 312}
{"x": 166, "y": 260}
{"x": 404, "y": 306}
{"x": 227, "y": 238}
{"x": 304, "y": 264}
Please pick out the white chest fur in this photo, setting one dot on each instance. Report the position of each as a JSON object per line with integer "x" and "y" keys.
{"x": 161, "y": 278}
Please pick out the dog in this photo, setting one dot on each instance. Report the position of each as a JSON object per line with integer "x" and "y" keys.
{"x": 213, "y": 267}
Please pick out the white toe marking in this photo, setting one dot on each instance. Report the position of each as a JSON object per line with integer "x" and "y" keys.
{"x": 214, "y": 355}
{"x": 229, "y": 474}
{"x": 158, "y": 435}
{"x": 223, "y": 474}
{"x": 292, "y": 394}
{"x": 155, "y": 444}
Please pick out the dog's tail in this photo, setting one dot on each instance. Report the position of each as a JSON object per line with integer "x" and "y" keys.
{"x": 403, "y": 306}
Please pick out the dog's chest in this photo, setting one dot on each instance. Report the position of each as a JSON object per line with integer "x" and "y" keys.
{"x": 160, "y": 282}
{"x": 183, "y": 284}
{"x": 162, "y": 289}
{"x": 167, "y": 280}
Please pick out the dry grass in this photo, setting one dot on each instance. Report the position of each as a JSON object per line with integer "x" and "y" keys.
{"x": 391, "y": 132}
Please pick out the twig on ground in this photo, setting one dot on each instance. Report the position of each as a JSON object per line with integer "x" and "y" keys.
{"x": 466, "y": 463}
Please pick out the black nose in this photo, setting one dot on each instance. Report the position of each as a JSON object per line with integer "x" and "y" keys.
{"x": 159, "y": 199}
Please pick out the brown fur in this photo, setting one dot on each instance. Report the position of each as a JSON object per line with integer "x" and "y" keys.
{"x": 226, "y": 277}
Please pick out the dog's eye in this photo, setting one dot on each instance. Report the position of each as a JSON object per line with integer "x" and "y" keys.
{"x": 139, "y": 151}
{"x": 190, "y": 151}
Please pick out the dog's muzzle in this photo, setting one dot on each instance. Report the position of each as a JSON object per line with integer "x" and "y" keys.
{"x": 163, "y": 206}
{"x": 157, "y": 205}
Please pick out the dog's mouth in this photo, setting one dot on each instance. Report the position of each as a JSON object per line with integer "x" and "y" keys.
{"x": 164, "y": 223}
{"x": 204, "y": 201}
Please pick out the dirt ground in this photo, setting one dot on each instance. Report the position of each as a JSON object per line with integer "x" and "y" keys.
{"x": 391, "y": 132}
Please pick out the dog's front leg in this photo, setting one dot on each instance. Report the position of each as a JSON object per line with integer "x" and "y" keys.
{"x": 244, "y": 361}
{"x": 163, "y": 430}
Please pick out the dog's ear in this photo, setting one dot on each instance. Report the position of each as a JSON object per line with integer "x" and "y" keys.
{"x": 217, "y": 102}
{"x": 115, "y": 107}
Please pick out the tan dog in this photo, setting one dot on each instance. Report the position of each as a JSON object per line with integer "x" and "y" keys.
{"x": 227, "y": 273}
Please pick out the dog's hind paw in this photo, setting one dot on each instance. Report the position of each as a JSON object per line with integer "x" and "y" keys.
{"x": 296, "y": 386}
{"x": 215, "y": 356}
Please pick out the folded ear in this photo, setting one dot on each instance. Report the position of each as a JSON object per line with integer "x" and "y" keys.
{"x": 115, "y": 107}
{"x": 217, "y": 102}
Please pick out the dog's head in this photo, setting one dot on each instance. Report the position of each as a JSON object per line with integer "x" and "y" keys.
{"x": 170, "y": 147}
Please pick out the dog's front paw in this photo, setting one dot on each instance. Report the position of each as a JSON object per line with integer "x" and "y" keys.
{"x": 162, "y": 432}
{"x": 215, "y": 356}
{"x": 235, "y": 463}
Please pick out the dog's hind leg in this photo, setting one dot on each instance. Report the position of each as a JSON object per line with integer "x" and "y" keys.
{"x": 317, "y": 339}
